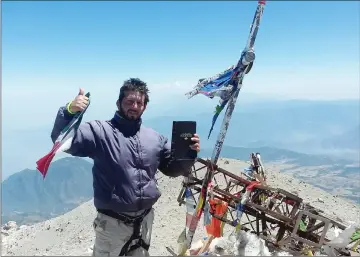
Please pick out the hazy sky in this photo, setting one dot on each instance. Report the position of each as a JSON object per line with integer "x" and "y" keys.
{"x": 304, "y": 49}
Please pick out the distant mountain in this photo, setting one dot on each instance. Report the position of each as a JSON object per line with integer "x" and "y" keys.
{"x": 297, "y": 125}
{"x": 307, "y": 133}
{"x": 276, "y": 155}
{"x": 301, "y": 126}
{"x": 335, "y": 175}
{"x": 27, "y": 198}
{"x": 349, "y": 139}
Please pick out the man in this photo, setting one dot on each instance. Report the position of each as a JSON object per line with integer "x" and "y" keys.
{"x": 126, "y": 157}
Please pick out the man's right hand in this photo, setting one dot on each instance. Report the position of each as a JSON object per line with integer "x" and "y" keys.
{"x": 79, "y": 103}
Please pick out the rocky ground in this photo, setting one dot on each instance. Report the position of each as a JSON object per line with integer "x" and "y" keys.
{"x": 72, "y": 233}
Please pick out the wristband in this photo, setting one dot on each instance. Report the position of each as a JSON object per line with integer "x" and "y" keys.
{"x": 68, "y": 108}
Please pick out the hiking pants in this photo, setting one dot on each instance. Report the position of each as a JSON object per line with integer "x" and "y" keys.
{"x": 123, "y": 235}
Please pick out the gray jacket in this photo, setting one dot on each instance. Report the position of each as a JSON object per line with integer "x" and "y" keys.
{"x": 126, "y": 157}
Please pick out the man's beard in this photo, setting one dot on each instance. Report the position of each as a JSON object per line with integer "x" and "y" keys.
{"x": 130, "y": 115}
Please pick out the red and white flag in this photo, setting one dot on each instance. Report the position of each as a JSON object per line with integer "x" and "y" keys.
{"x": 63, "y": 142}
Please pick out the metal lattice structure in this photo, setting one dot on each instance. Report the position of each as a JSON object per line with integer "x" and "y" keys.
{"x": 275, "y": 215}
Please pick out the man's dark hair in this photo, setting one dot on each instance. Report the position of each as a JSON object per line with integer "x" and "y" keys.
{"x": 134, "y": 84}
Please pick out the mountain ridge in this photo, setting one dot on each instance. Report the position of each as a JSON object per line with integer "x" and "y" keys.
{"x": 66, "y": 186}
{"x": 72, "y": 233}
{"x": 29, "y": 198}
{"x": 298, "y": 125}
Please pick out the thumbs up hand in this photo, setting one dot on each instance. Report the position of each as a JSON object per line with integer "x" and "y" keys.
{"x": 79, "y": 103}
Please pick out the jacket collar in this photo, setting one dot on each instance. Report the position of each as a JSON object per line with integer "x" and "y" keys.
{"x": 128, "y": 127}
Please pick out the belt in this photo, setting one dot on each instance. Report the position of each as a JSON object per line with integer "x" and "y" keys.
{"x": 127, "y": 219}
{"x": 136, "y": 221}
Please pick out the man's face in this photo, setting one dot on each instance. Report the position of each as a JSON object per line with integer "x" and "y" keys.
{"x": 133, "y": 104}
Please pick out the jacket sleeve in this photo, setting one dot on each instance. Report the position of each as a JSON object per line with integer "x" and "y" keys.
{"x": 83, "y": 143}
{"x": 170, "y": 167}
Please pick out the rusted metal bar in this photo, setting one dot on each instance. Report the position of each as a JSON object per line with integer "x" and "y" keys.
{"x": 316, "y": 227}
{"x": 272, "y": 213}
{"x": 231, "y": 175}
{"x": 251, "y": 222}
{"x": 257, "y": 224}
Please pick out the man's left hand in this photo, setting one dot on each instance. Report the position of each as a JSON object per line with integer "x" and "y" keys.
{"x": 196, "y": 145}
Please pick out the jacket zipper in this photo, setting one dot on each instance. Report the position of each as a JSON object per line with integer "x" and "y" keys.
{"x": 139, "y": 162}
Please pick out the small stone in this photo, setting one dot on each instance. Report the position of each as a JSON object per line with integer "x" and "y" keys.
{"x": 10, "y": 225}
{"x": 320, "y": 200}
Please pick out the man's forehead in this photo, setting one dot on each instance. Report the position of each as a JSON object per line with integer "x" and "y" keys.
{"x": 134, "y": 95}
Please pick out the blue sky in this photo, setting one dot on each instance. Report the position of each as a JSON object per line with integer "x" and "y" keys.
{"x": 304, "y": 49}
{"x": 165, "y": 42}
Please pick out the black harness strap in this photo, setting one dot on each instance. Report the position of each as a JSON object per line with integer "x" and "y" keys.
{"x": 136, "y": 235}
